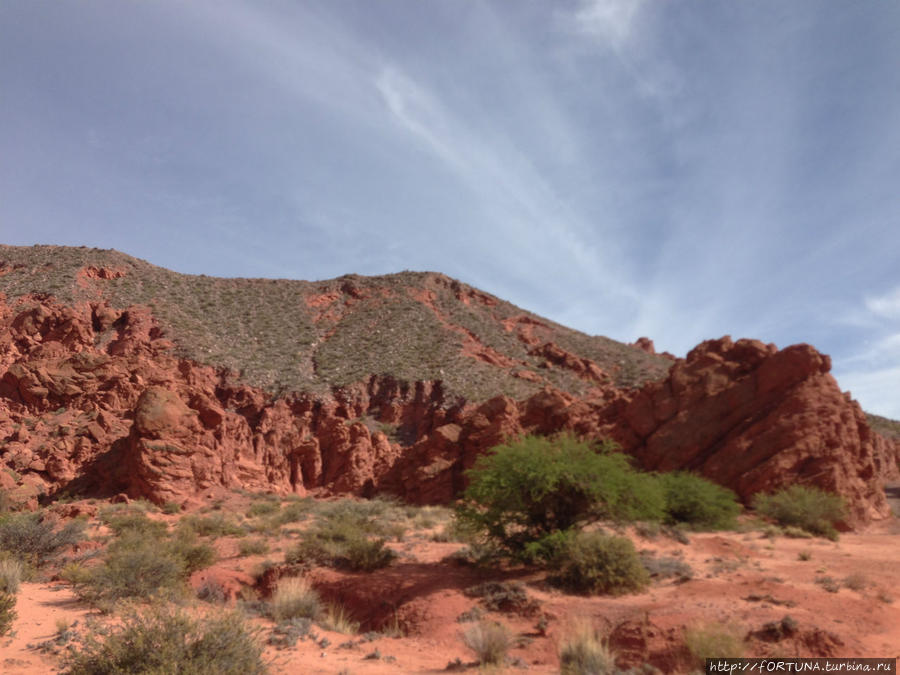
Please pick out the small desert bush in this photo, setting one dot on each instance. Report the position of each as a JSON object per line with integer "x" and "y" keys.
{"x": 7, "y": 611}
{"x": 253, "y": 547}
{"x": 698, "y": 502}
{"x": 666, "y": 567}
{"x": 599, "y": 563}
{"x": 294, "y": 598}
{"x": 856, "y": 582}
{"x": 136, "y": 566}
{"x": 136, "y": 523}
{"x": 11, "y": 573}
{"x": 583, "y": 653}
{"x": 336, "y": 618}
{"x": 263, "y": 508}
{"x": 34, "y": 538}
{"x": 168, "y": 641}
{"x": 341, "y": 544}
{"x": 193, "y": 555}
{"x": 524, "y": 491}
{"x": 132, "y": 568}
{"x": 489, "y": 641}
{"x": 171, "y": 508}
{"x": 503, "y": 596}
{"x": 215, "y": 525}
{"x": 714, "y": 641}
{"x": 808, "y": 508}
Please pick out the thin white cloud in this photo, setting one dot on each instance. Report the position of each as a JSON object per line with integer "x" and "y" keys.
{"x": 528, "y": 214}
{"x": 886, "y": 306}
{"x": 610, "y": 21}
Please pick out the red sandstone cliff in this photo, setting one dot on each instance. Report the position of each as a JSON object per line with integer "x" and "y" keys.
{"x": 93, "y": 399}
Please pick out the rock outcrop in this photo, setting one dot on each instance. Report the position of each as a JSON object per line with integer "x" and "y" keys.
{"x": 757, "y": 419}
{"x": 94, "y": 399}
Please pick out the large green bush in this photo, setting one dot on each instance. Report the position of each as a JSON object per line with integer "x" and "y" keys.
{"x": 169, "y": 641}
{"x": 808, "y": 508}
{"x": 529, "y": 490}
{"x": 698, "y": 502}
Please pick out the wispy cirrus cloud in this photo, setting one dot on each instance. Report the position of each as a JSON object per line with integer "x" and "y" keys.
{"x": 610, "y": 21}
{"x": 886, "y": 306}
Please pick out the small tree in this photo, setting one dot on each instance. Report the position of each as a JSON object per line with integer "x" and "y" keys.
{"x": 535, "y": 488}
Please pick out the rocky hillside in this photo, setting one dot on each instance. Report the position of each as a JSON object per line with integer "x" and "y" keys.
{"x": 364, "y": 385}
{"x": 311, "y": 336}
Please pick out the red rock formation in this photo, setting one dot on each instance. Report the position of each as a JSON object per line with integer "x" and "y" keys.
{"x": 94, "y": 399}
{"x": 757, "y": 419}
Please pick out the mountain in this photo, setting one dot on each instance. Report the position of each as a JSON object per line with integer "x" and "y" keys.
{"x": 117, "y": 376}
{"x": 311, "y": 336}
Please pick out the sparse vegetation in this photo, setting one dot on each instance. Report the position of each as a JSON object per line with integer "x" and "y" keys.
{"x": 7, "y": 611}
{"x": 265, "y": 330}
{"x": 807, "y": 508}
{"x": 856, "y": 582}
{"x": 584, "y": 653}
{"x": 342, "y": 548}
{"x": 714, "y": 641}
{"x": 141, "y": 564}
{"x": 489, "y": 641}
{"x": 163, "y": 640}
{"x": 294, "y": 598}
{"x": 665, "y": 567}
{"x": 11, "y": 573}
{"x": 35, "y": 538}
{"x": 504, "y": 596}
{"x": 253, "y": 547}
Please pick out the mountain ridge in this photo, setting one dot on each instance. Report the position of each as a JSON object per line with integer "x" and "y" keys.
{"x": 294, "y": 335}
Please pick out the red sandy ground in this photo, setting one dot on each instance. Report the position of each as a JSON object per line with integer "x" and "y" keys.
{"x": 729, "y": 568}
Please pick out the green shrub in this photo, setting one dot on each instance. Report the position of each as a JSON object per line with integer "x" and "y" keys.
{"x": 7, "y": 611}
{"x": 521, "y": 492}
{"x": 133, "y": 567}
{"x": 599, "y": 563}
{"x": 136, "y": 523}
{"x": 193, "y": 555}
{"x": 263, "y": 508}
{"x": 489, "y": 641}
{"x": 168, "y": 641}
{"x": 342, "y": 548}
{"x": 698, "y": 502}
{"x": 808, "y": 508}
{"x": 214, "y": 525}
{"x": 34, "y": 538}
{"x": 341, "y": 542}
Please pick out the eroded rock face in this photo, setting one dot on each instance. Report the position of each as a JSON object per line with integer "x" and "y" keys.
{"x": 95, "y": 400}
{"x": 757, "y": 419}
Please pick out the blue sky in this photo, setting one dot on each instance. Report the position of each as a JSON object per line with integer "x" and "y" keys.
{"x": 676, "y": 169}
